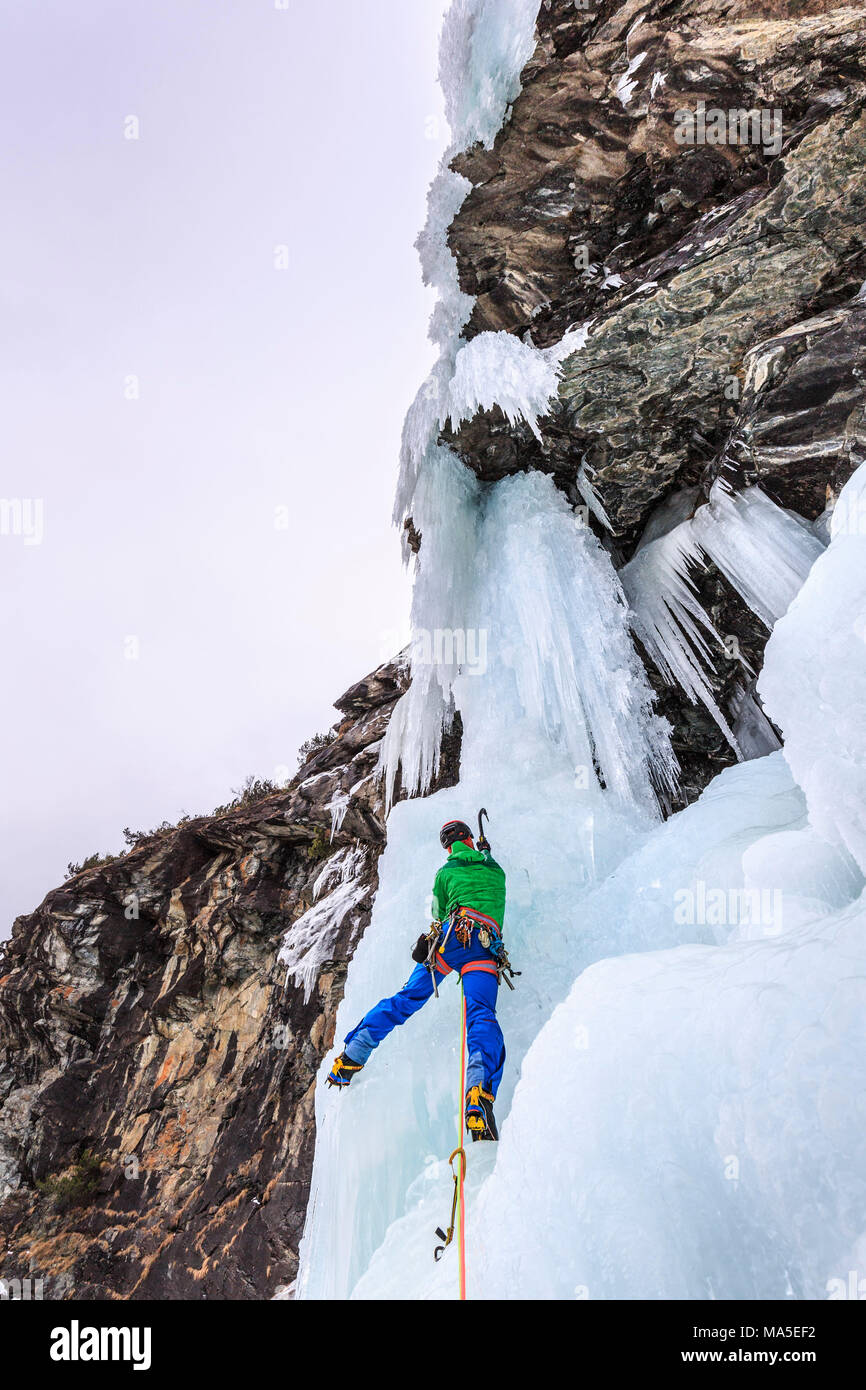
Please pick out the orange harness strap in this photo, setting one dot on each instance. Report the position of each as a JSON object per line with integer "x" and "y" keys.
{"x": 488, "y": 968}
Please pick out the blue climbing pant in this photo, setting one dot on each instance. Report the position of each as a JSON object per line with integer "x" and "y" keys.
{"x": 484, "y": 1040}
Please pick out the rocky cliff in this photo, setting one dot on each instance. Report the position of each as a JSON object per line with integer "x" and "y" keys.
{"x": 145, "y": 1015}
{"x": 145, "y": 1019}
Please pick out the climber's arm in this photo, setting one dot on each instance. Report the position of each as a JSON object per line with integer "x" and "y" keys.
{"x": 498, "y": 869}
{"x": 440, "y": 896}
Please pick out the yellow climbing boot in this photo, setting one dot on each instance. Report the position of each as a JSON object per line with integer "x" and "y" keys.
{"x": 479, "y": 1114}
{"x": 343, "y": 1070}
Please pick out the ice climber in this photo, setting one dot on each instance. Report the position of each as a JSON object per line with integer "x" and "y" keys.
{"x": 465, "y": 939}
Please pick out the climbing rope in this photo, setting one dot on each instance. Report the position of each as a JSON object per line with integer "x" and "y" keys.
{"x": 458, "y": 1206}
{"x": 460, "y": 1149}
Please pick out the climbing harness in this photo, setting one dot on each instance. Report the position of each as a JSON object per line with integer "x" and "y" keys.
{"x": 489, "y": 936}
{"x": 458, "y": 1207}
{"x": 463, "y": 921}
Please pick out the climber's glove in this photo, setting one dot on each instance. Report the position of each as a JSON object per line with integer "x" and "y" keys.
{"x": 421, "y": 949}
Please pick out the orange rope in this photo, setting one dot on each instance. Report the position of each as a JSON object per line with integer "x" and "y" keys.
{"x": 460, "y": 1122}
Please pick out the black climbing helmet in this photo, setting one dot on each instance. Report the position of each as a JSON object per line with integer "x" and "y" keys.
{"x": 452, "y": 831}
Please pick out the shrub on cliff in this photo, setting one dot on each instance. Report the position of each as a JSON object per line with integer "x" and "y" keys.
{"x": 75, "y": 1185}
{"x": 320, "y": 845}
{"x": 314, "y": 745}
{"x": 134, "y": 838}
{"x": 253, "y": 789}
{"x": 91, "y": 862}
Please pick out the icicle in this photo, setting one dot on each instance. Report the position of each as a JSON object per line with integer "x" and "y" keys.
{"x": 591, "y": 497}
{"x": 338, "y": 806}
{"x": 445, "y": 509}
{"x": 560, "y": 654}
{"x": 667, "y": 616}
{"x": 764, "y": 551}
{"x": 755, "y": 734}
{"x": 484, "y": 46}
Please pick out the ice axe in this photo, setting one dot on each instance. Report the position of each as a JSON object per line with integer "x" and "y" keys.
{"x": 483, "y": 842}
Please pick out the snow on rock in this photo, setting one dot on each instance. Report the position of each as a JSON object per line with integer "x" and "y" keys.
{"x": 499, "y": 369}
{"x": 627, "y": 82}
{"x": 310, "y": 937}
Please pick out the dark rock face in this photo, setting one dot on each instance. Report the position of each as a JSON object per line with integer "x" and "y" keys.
{"x": 706, "y": 250}
{"x": 589, "y": 156}
{"x": 720, "y": 280}
{"x": 144, "y": 1016}
{"x": 801, "y": 428}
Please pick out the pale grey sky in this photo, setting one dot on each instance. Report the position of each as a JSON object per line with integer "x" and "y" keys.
{"x": 167, "y": 387}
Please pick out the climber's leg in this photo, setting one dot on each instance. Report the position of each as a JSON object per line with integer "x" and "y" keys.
{"x": 389, "y": 1014}
{"x": 484, "y": 1041}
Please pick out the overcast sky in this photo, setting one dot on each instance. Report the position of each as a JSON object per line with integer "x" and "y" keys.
{"x": 213, "y": 332}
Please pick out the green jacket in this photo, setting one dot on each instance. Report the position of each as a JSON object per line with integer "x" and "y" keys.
{"x": 470, "y": 878}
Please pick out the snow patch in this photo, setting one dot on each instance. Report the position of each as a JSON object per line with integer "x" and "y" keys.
{"x": 308, "y": 941}
{"x": 626, "y": 83}
{"x": 499, "y": 369}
